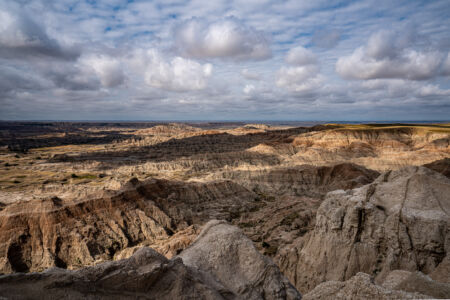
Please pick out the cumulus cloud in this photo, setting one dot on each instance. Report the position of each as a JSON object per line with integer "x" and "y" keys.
{"x": 303, "y": 74}
{"x": 225, "y": 38}
{"x": 391, "y": 55}
{"x": 21, "y": 36}
{"x": 300, "y": 56}
{"x": 299, "y": 79}
{"x": 108, "y": 69}
{"x": 178, "y": 74}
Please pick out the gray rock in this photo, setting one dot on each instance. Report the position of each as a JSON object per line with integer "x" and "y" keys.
{"x": 360, "y": 286}
{"x": 227, "y": 254}
{"x": 400, "y": 221}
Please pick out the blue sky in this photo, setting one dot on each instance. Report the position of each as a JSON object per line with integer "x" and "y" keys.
{"x": 224, "y": 60}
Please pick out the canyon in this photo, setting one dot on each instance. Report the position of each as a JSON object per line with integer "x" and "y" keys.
{"x": 224, "y": 210}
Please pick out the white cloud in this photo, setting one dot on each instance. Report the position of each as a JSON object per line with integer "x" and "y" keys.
{"x": 300, "y": 56}
{"x": 178, "y": 74}
{"x": 248, "y": 88}
{"x": 303, "y": 75}
{"x": 299, "y": 79}
{"x": 225, "y": 38}
{"x": 108, "y": 69}
{"x": 390, "y": 55}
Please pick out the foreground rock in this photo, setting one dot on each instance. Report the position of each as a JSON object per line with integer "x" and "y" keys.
{"x": 417, "y": 282}
{"x": 400, "y": 221}
{"x": 359, "y": 286}
{"x": 228, "y": 255}
{"x": 221, "y": 264}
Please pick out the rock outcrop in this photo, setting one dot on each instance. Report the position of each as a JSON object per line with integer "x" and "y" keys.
{"x": 221, "y": 264}
{"x": 303, "y": 180}
{"x": 228, "y": 255}
{"x": 442, "y": 166}
{"x": 375, "y": 147}
{"x": 400, "y": 221}
{"x": 71, "y": 233}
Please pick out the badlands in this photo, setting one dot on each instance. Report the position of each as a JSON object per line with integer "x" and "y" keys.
{"x": 224, "y": 211}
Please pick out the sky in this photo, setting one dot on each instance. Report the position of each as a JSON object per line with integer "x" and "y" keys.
{"x": 224, "y": 60}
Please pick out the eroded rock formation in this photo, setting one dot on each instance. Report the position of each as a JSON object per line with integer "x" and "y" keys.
{"x": 400, "y": 221}
{"x": 221, "y": 264}
{"x": 42, "y": 233}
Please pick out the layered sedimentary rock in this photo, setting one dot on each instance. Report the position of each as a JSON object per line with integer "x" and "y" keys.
{"x": 375, "y": 147}
{"x": 400, "y": 221}
{"x": 304, "y": 180}
{"x": 221, "y": 264}
{"x": 41, "y": 233}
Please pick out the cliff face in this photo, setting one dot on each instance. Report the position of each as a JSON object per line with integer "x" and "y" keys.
{"x": 212, "y": 268}
{"x": 303, "y": 180}
{"x": 400, "y": 221}
{"x": 42, "y": 233}
{"x": 378, "y": 149}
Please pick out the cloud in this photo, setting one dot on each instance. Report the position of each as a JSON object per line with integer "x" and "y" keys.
{"x": 225, "y": 38}
{"x": 303, "y": 74}
{"x": 391, "y": 55}
{"x": 178, "y": 74}
{"x": 42, "y": 75}
{"x": 72, "y": 77}
{"x": 248, "y": 88}
{"x": 250, "y": 75}
{"x": 446, "y": 66}
{"x": 326, "y": 38}
{"x": 14, "y": 80}
{"x": 300, "y": 56}
{"x": 299, "y": 79}
{"x": 21, "y": 36}
{"x": 108, "y": 69}
{"x": 403, "y": 88}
